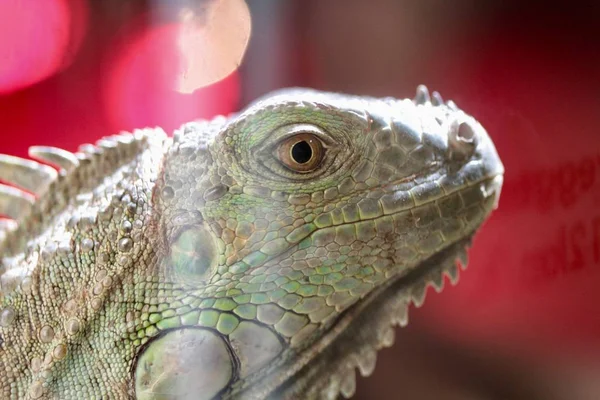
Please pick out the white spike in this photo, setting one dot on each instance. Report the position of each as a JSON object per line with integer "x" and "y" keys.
{"x": 422, "y": 95}
{"x": 128, "y": 138}
{"x": 14, "y": 203}
{"x": 452, "y": 273}
{"x": 90, "y": 149}
{"x": 463, "y": 257}
{"x": 26, "y": 174}
{"x": 436, "y": 99}
{"x": 366, "y": 362}
{"x": 418, "y": 294}
{"x": 83, "y": 158}
{"x": 437, "y": 280}
{"x": 107, "y": 143}
{"x": 452, "y": 105}
{"x": 348, "y": 384}
{"x": 53, "y": 155}
{"x": 401, "y": 315}
{"x": 332, "y": 390}
{"x": 388, "y": 337}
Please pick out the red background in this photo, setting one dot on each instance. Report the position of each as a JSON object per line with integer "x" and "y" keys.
{"x": 523, "y": 322}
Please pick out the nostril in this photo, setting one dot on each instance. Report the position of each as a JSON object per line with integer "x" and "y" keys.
{"x": 462, "y": 140}
{"x": 465, "y": 133}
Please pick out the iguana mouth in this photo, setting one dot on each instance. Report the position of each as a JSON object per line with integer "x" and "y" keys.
{"x": 368, "y": 325}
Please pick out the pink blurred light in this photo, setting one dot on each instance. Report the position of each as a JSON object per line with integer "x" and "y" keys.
{"x": 36, "y": 37}
{"x": 143, "y": 82}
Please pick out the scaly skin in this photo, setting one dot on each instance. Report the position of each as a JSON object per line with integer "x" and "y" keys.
{"x": 203, "y": 266}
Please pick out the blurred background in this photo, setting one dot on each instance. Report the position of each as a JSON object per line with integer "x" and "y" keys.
{"x": 523, "y": 323}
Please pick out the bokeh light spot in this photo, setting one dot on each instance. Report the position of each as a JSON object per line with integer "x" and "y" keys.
{"x": 34, "y": 39}
{"x": 211, "y": 44}
{"x": 170, "y": 73}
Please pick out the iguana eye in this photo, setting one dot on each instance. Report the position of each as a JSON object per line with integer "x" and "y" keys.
{"x": 301, "y": 153}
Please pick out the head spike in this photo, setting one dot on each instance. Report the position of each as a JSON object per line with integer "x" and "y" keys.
{"x": 422, "y": 95}
{"x": 436, "y": 99}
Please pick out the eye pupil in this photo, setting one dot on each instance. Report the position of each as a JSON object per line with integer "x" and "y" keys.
{"x": 302, "y": 152}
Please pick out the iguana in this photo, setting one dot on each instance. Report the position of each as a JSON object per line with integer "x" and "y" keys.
{"x": 263, "y": 255}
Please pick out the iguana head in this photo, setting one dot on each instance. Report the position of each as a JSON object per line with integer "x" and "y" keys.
{"x": 283, "y": 226}
{"x": 263, "y": 255}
